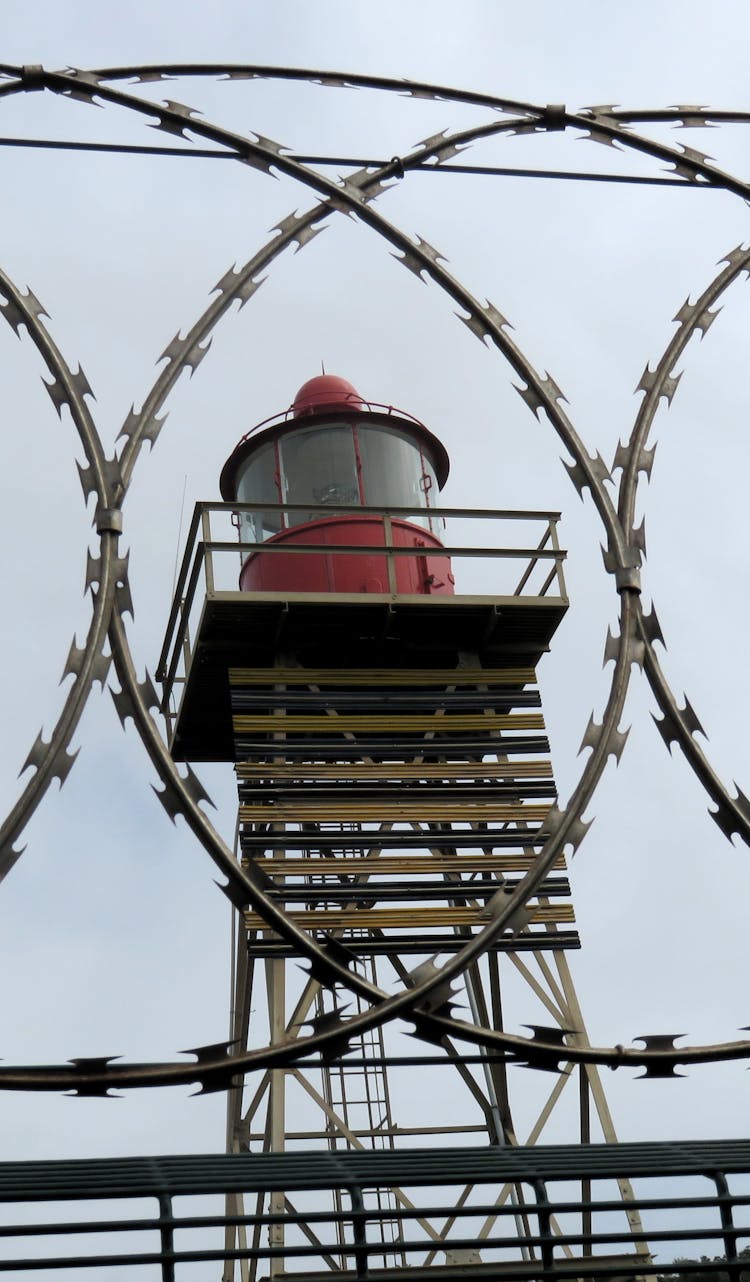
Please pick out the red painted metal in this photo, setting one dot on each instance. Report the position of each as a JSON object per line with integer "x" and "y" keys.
{"x": 425, "y": 573}
{"x": 329, "y": 400}
{"x": 326, "y": 392}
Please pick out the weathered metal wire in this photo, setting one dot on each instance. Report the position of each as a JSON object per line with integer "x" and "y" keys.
{"x": 110, "y": 479}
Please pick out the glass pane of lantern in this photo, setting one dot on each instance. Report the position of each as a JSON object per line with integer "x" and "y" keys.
{"x": 256, "y": 483}
{"x": 319, "y": 467}
{"x": 392, "y": 471}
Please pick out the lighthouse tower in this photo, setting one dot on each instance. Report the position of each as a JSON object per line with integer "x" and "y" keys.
{"x": 372, "y": 677}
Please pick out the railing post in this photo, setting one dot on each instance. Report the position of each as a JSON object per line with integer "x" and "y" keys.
{"x": 166, "y": 1233}
{"x": 359, "y": 1229}
{"x": 585, "y": 1110}
{"x": 734, "y": 1265}
{"x": 544, "y": 1216}
{"x": 389, "y": 559}
{"x": 206, "y": 535}
{"x": 558, "y": 559}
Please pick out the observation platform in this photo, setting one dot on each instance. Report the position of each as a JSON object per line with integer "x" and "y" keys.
{"x": 513, "y": 602}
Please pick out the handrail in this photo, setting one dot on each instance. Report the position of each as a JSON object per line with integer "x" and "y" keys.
{"x": 355, "y": 405}
{"x": 383, "y": 509}
{"x": 201, "y": 548}
{"x": 692, "y": 1209}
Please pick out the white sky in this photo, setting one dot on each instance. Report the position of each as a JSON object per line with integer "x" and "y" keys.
{"x": 114, "y": 938}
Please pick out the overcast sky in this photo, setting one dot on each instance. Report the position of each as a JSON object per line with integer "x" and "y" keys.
{"x": 114, "y": 938}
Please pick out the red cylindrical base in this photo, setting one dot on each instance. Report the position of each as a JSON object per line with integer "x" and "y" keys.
{"x": 425, "y": 573}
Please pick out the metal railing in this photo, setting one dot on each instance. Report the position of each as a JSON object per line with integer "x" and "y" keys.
{"x": 520, "y": 570}
{"x": 694, "y": 1220}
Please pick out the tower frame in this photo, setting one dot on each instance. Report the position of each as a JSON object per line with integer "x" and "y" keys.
{"x": 273, "y": 633}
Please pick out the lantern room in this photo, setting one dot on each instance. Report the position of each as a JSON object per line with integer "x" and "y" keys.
{"x": 345, "y": 563}
{"x": 331, "y": 454}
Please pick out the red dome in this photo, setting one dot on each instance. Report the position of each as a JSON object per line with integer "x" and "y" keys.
{"x": 326, "y": 392}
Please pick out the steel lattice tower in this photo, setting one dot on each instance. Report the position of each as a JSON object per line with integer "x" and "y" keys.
{"x": 394, "y": 785}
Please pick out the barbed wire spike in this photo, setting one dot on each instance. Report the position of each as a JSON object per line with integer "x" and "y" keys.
{"x": 606, "y": 140}
{"x": 553, "y": 822}
{"x": 728, "y": 821}
{"x": 611, "y": 648}
{"x": 496, "y": 316}
{"x": 290, "y": 227}
{"x": 440, "y": 999}
{"x": 691, "y": 116}
{"x": 191, "y": 783}
{"x": 329, "y": 1021}
{"x": 434, "y": 140}
{"x": 412, "y": 263}
{"x": 735, "y": 256}
{"x": 706, "y": 320}
{"x": 218, "y": 1082}
{"x": 147, "y": 693}
{"x": 668, "y": 728}
{"x": 578, "y": 475}
{"x": 215, "y": 1050}
{"x": 235, "y": 892}
{"x": 62, "y": 762}
{"x": 477, "y": 326}
{"x": 433, "y": 254}
{"x": 95, "y": 1064}
{"x": 12, "y": 313}
{"x": 538, "y": 1057}
{"x": 244, "y": 291}
{"x": 9, "y": 856}
{"x": 93, "y": 571}
{"x": 74, "y": 661}
{"x": 592, "y": 735}
{"x": 185, "y": 351}
{"x": 169, "y": 798}
{"x": 660, "y": 1042}
{"x": 550, "y": 1034}
{"x": 518, "y": 919}
{"x": 37, "y": 754}
{"x": 667, "y": 385}
{"x": 645, "y": 458}
{"x": 600, "y": 109}
{"x": 151, "y": 77}
{"x": 57, "y": 394}
{"x": 74, "y": 664}
{"x": 148, "y": 429}
{"x": 691, "y": 721}
{"x": 652, "y": 627}
{"x": 81, "y": 384}
{"x": 123, "y": 704}
{"x": 697, "y": 157}
{"x": 638, "y": 535}
{"x": 169, "y": 126}
{"x": 535, "y": 399}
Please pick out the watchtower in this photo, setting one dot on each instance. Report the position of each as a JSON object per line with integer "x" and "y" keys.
{"x": 372, "y": 676}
